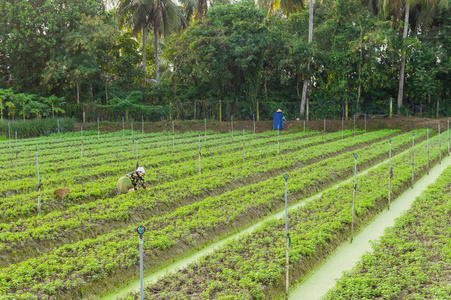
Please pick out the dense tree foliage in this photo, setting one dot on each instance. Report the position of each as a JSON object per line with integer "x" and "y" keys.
{"x": 231, "y": 59}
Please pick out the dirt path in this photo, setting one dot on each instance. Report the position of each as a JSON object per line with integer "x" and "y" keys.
{"x": 347, "y": 255}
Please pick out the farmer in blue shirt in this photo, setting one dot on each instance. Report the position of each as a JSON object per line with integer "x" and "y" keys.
{"x": 278, "y": 119}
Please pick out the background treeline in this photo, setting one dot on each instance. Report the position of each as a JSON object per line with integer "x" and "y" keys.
{"x": 216, "y": 60}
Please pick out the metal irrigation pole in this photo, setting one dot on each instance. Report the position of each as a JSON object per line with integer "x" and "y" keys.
{"x": 140, "y": 230}
{"x": 39, "y": 183}
{"x": 142, "y": 124}
{"x": 205, "y": 129}
{"x": 278, "y": 147}
{"x": 173, "y": 133}
{"x": 287, "y": 239}
{"x": 133, "y": 138}
{"x": 58, "y": 122}
{"x": 353, "y": 198}
{"x": 324, "y": 130}
{"x": 98, "y": 128}
{"x": 123, "y": 126}
{"x": 354, "y": 124}
{"x": 448, "y": 136}
{"x": 390, "y": 177}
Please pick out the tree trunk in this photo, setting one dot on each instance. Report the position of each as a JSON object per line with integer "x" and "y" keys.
{"x": 200, "y": 9}
{"x": 403, "y": 60}
{"x": 78, "y": 93}
{"x": 106, "y": 89}
{"x": 359, "y": 91}
{"x": 157, "y": 62}
{"x": 144, "y": 55}
{"x": 438, "y": 106}
{"x": 310, "y": 38}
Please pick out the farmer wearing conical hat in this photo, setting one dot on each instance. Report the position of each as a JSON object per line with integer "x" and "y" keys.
{"x": 131, "y": 180}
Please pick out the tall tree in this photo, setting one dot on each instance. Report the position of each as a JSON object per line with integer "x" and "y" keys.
{"x": 162, "y": 16}
{"x": 306, "y": 80}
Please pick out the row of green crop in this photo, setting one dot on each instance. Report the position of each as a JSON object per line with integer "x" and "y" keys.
{"x": 55, "y": 224}
{"x": 253, "y": 266}
{"x": 173, "y": 179}
{"x": 154, "y": 155}
{"x": 95, "y": 149}
{"x": 73, "y": 267}
{"x": 412, "y": 260}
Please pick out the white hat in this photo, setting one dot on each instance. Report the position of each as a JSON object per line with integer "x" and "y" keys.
{"x": 141, "y": 170}
{"x": 279, "y": 110}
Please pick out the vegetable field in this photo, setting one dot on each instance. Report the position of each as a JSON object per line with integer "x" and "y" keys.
{"x": 202, "y": 187}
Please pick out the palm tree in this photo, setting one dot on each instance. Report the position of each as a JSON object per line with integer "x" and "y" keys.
{"x": 287, "y": 6}
{"x": 162, "y": 16}
{"x": 306, "y": 80}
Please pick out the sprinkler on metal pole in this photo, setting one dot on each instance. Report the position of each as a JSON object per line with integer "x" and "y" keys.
{"x": 390, "y": 177}
{"x": 199, "y": 153}
{"x": 58, "y": 122}
{"x": 278, "y": 147}
{"x": 353, "y": 198}
{"x": 354, "y": 124}
{"x": 39, "y": 183}
{"x": 287, "y": 238}
{"x": 123, "y": 126}
{"x": 243, "y": 144}
{"x": 427, "y": 147}
{"x": 98, "y": 128}
{"x": 324, "y": 130}
{"x": 205, "y": 129}
{"x": 173, "y": 133}
{"x": 142, "y": 124}
{"x": 413, "y": 156}
{"x": 141, "y": 230}
{"x": 133, "y": 138}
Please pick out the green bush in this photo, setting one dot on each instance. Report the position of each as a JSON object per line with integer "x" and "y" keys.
{"x": 36, "y": 127}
